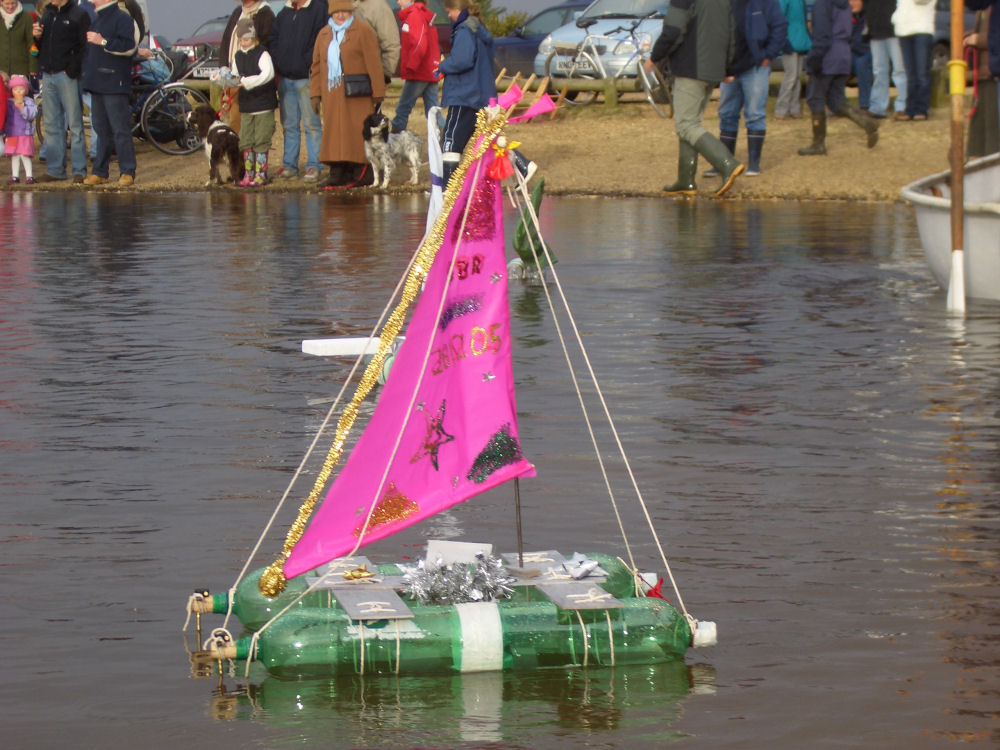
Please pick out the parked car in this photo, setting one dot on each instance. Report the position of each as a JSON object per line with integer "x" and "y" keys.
{"x": 207, "y": 38}
{"x": 517, "y": 52}
{"x": 602, "y": 17}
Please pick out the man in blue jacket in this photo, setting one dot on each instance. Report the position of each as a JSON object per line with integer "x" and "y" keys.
{"x": 759, "y": 39}
{"x": 293, "y": 35}
{"x": 107, "y": 75}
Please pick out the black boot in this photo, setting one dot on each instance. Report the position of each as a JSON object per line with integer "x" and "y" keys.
{"x": 818, "y": 146}
{"x": 335, "y": 177}
{"x": 687, "y": 165}
{"x": 863, "y": 121}
{"x": 722, "y": 159}
{"x": 728, "y": 139}
{"x": 755, "y": 144}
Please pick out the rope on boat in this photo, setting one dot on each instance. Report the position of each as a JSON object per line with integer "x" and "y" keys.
{"x": 529, "y": 207}
{"x": 611, "y": 636}
{"x": 586, "y": 639}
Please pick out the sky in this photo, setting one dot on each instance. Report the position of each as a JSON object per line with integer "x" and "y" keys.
{"x": 175, "y": 19}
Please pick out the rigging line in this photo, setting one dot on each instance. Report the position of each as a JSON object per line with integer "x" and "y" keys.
{"x": 319, "y": 434}
{"x": 423, "y": 366}
{"x": 607, "y": 412}
{"x": 572, "y": 373}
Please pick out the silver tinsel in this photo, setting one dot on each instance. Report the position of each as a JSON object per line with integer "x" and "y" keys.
{"x": 485, "y": 580}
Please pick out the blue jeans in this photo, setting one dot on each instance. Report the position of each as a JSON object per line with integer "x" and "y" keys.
{"x": 748, "y": 93}
{"x": 862, "y": 68}
{"x": 63, "y": 109}
{"x": 886, "y": 55}
{"x": 917, "y": 61}
{"x": 112, "y": 118}
{"x": 295, "y": 106}
{"x": 427, "y": 90}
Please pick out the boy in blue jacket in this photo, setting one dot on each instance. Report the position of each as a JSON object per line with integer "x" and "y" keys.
{"x": 760, "y": 38}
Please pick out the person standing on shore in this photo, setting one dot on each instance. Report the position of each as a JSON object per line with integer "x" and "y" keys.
{"x": 418, "y": 60}
{"x": 263, "y": 18}
{"x": 984, "y": 125}
{"x": 887, "y": 57}
{"x": 16, "y": 40}
{"x": 993, "y": 36}
{"x": 913, "y": 22}
{"x": 760, "y": 30}
{"x": 792, "y": 57}
{"x": 828, "y": 63}
{"x": 19, "y": 129}
{"x": 697, "y": 37}
{"x": 293, "y": 35}
{"x": 62, "y": 37}
{"x": 107, "y": 75}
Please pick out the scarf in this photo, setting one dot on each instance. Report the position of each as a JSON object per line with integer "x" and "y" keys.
{"x": 9, "y": 18}
{"x": 334, "y": 70}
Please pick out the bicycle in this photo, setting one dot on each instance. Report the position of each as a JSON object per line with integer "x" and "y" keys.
{"x": 158, "y": 109}
{"x": 583, "y": 62}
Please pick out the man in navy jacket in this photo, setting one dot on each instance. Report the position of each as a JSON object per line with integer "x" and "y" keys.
{"x": 293, "y": 36}
{"x": 107, "y": 75}
{"x": 761, "y": 30}
{"x": 61, "y": 34}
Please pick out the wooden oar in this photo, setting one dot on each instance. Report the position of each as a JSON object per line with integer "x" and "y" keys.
{"x": 956, "y": 75}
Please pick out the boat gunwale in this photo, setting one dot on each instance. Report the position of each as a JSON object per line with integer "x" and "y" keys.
{"x": 912, "y": 192}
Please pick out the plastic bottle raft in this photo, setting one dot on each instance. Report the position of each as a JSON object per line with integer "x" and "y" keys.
{"x": 360, "y": 625}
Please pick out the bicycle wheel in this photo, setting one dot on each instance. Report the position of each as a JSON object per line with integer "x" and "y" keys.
{"x": 164, "y": 119}
{"x": 580, "y": 68}
{"x": 657, "y": 90}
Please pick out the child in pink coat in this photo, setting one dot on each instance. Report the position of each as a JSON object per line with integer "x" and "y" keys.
{"x": 19, "y": 128}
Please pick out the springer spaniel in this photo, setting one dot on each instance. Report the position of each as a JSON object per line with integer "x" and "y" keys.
{"x": 222, "y": 145}
{"x": 383, "y": 149}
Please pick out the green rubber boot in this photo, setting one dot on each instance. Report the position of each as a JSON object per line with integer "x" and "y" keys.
{"x": 722, "y": 159}
{"x": 687, "y": 165}
{"x": 818, "y": 146}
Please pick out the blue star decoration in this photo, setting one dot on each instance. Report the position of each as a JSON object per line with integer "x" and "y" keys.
{"x": 495, "y": 277}
{"x": 434, "y": 438}
{"x": 488, "y": 377}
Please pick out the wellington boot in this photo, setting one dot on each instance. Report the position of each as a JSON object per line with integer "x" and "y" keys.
{"x": 818, "y": 146}
{"x": 687, "y": 165}
{"x": 863, "y": 121}
{"x": 755, "y": 145}
{"x": 728, "y": 138}
{"x": 260, "y": 170}
{"x": 722, "y": 159}
{"x": 248, "y": 168}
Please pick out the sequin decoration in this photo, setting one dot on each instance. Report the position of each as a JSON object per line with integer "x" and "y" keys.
{"x": 458, "y": 308}
{"x": 393, "y": 506}
{"x": 480, "y": 224}
{"x": 501, "y": 450}
{"x": 434, "y": 438}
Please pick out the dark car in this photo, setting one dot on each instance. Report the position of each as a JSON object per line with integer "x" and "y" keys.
{"x": 517, "y": 52}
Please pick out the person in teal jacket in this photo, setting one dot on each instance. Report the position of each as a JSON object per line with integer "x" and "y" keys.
{"x": 798, "y": 42}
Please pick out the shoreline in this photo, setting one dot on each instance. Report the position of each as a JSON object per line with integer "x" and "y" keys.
{"x": 628, "y": 152}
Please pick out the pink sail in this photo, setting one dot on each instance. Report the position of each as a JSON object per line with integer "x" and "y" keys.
{"x": 456, "y": 414}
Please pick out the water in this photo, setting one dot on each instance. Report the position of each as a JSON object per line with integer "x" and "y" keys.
{"x": 817, "y": 443}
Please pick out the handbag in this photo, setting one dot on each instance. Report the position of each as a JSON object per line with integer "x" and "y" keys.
{"x": 357, "y": 85}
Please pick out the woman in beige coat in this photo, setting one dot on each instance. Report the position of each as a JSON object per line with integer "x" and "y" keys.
{"x": 345, "y": 46}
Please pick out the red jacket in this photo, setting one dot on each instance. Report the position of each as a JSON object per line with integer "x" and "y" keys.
{"x": 420, "y": 52}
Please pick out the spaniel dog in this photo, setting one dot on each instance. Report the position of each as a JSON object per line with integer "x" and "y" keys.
{"x": 222, "y": 144}
{"x": 383, "y": 149}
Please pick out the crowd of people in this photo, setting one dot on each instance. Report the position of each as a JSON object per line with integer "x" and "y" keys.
{"x": 731, "y": 43}
{"x": 324, "y": 66}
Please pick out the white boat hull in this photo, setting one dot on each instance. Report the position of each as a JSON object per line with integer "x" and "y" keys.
{"x": 931, "y": 199}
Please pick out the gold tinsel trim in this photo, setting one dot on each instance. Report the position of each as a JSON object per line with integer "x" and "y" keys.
{"x": 272, "y": 581}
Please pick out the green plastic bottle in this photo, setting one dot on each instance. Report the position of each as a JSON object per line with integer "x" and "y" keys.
{"x": 312, "y": 642}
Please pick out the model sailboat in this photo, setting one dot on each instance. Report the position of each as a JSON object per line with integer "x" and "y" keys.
{"x": 444, "y": 430}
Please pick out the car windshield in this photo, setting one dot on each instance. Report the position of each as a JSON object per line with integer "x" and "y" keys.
{"x": 626, "y": 9}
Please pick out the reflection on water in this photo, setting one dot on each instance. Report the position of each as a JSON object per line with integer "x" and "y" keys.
{"x": 817, "y": 442}
{"x": 493, "y": 708}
